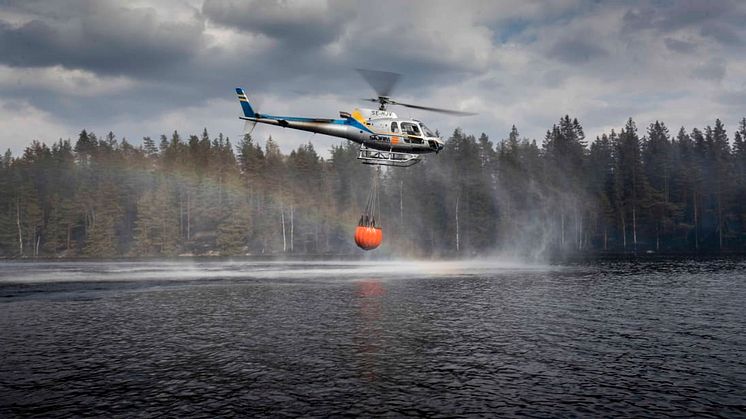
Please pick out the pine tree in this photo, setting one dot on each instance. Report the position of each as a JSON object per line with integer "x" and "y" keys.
{"x": 9, "y": 237}
{"x": 739, "y": 197}
{"x": 156, "y": 229}
{"x": 657, "y": 166}
{"x": 234, "y": 228}
{"x": 149, "y": 147}
{"x": 631, "y": 185}
{"x": 565, "y": 155}
{"x": 601, "y": 175}
{"x": 104, "y": 197}
{"x": 722, "y": 170}
{"x": 102, "y": 240}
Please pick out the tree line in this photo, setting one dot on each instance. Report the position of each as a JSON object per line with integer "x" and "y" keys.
{"x": 626, "y": 191}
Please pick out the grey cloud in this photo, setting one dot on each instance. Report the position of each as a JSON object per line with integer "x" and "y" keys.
{"x": 384, "y": 37}
{"x": 554, "y": 78}
{"x": 672, "y": 15}
{"x": 576, "y": 51}
{"x": 103, "y": 38}
{"x": 378, "y": 39}
{"x": 113, "y": 39}
{"x": 302, "y": 24}
{"x": 719, "y": 20}
{"x": 711, "y": 70}
{"x": 724, "y": 34}
{"x": 735, "y": 98}
{"x": 677, "y": 45}
{"x": 638, "y": 19}
{"x": 315, "y": 47}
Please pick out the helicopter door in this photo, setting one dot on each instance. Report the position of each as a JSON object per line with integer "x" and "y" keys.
{"x": 412, "y": 131}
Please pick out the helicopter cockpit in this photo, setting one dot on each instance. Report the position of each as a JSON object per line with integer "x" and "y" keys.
{"x": 415, "y": 130}
{"x": 428, "y": 132}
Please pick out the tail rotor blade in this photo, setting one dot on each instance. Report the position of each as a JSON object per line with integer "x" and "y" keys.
{"x": 248, "y": 127}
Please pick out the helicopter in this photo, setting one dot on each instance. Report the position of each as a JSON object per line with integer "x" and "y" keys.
{"x": 384, "y": 138}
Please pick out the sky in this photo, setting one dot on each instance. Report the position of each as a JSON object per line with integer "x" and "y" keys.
{"x": 146, "y": 68}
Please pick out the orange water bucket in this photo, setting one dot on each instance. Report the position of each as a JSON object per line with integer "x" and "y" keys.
{"x": 368, "y": 238}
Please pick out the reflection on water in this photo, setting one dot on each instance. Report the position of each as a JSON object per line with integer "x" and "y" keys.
{"x": 370, "y": 295}
{"x": 652, "y": 338}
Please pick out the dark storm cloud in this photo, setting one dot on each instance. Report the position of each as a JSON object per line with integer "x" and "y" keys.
{"x": 182, "y": 68}
{"x": 300, "y": 25}
{"x": 386, "y": 37}
{"x": 102, "y": 38}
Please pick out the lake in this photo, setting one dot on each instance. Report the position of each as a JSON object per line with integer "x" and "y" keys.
{"x": 652, "y": 337}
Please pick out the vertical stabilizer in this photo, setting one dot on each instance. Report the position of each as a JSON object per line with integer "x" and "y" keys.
{"x": 248, "y": 111}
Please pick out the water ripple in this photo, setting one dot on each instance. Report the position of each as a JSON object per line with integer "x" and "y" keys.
{"x": 610, "y": 339}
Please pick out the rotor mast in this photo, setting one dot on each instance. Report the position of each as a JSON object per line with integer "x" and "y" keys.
{"x": 383, "y": 100}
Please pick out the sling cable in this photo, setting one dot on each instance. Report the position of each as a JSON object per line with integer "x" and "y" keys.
{"x": 368, "y": 235}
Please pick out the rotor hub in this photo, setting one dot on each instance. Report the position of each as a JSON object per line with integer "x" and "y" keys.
{"x": 383, "y": 100}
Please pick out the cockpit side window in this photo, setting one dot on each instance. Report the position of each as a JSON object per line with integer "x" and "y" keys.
{"x": 394, "y": 127}
{"x": 410, "y": 128}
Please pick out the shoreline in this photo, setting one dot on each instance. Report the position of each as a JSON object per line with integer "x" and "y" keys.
{"x": 569, "y": 258}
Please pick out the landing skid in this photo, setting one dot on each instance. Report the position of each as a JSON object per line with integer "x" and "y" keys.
{"x": 387, "y": 158}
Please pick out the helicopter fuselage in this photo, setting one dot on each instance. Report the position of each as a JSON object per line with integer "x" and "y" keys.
{"x": 372, "y": 128}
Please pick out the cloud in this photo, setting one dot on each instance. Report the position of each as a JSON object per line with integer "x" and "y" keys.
{"x": 21, "y": 123}
{"x": 135, "y": 42}
{"x": 303, "y": 24}
{"x": 734, "y": 98}
{"x": 576, "y": 51}
{"x": 711, "y": 70}
{"x": 672, "y": 15}
{"x": 726, "y": 35}
{"x": 679, "y": 45}
{"x": 142, "y": 67}
{"x": 60, "y": 80}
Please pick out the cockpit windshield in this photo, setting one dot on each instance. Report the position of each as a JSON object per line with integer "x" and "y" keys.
{"x": 427, "y": 130}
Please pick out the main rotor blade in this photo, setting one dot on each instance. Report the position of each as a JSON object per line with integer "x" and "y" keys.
{"x": 427, "y": 108}
{"x": 382, "y": 82}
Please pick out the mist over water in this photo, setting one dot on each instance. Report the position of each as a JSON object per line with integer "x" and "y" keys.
{"x": 25, "y": 272}
{"x": 215, "y": 338}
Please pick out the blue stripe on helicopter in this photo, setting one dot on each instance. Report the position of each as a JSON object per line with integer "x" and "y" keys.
{"x": 349, "y": 121}
{"x": 299, "y": 119}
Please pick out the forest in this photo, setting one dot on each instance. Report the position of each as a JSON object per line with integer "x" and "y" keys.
{"x": 632, "y": 191}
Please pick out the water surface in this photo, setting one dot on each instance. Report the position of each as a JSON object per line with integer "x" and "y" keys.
{"x": 216, "y": 338}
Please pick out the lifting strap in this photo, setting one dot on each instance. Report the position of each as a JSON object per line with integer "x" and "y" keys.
{"x": 373, "y": 203}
